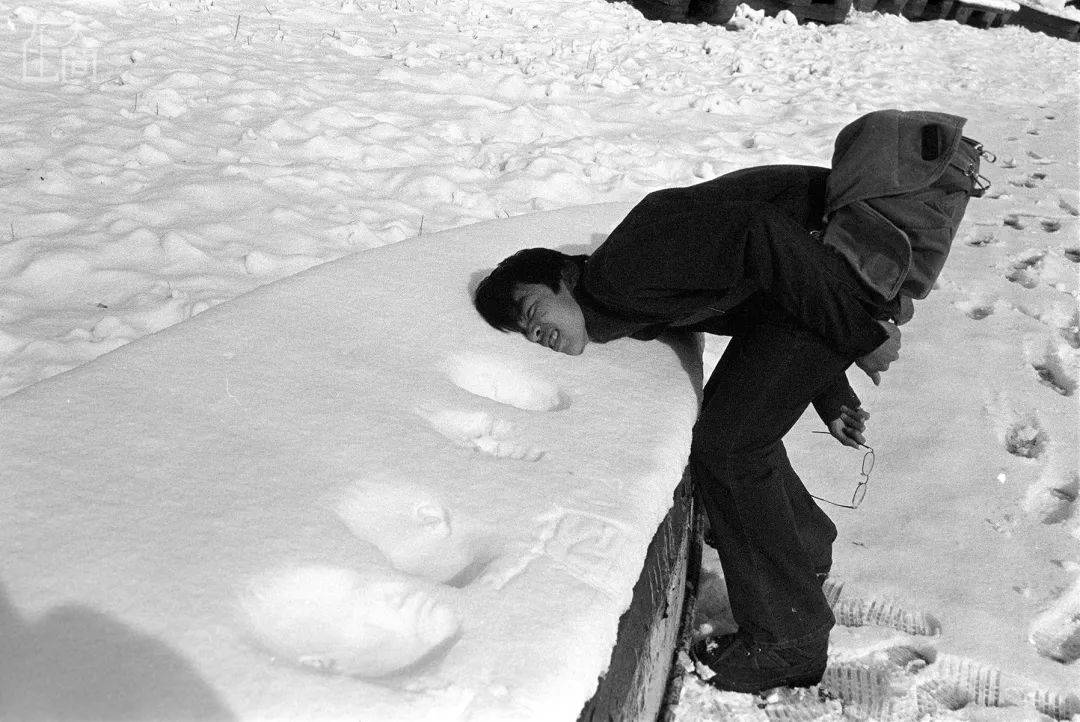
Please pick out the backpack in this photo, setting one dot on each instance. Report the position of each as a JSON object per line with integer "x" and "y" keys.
{"x": 898, "y": 189}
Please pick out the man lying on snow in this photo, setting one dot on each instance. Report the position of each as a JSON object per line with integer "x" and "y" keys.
{"x": 749, "y": 255}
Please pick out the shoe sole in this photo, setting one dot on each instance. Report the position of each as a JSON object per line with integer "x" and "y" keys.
{"x": 760, "y": 683}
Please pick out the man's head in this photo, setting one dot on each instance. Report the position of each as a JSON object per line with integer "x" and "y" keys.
{"x": 531, "y": 292}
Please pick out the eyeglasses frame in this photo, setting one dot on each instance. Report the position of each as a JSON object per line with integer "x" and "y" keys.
{"x": 860, "y": 489}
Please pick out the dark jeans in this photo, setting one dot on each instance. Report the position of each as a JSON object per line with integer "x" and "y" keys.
{"x": 771, "y": 536}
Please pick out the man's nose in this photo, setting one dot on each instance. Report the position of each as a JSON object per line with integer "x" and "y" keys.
{"x": 534, "y": 333}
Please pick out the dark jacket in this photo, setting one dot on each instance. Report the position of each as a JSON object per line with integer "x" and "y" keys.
{"x": 681, "y": 257}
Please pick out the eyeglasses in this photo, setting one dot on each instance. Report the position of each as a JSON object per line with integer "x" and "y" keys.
{"x": 860, "y": 490}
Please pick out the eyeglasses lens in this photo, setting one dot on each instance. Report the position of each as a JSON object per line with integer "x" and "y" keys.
{"x": 860, "y": 492}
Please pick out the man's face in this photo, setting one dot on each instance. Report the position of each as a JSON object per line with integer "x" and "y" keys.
{"x": 550, "y": 319}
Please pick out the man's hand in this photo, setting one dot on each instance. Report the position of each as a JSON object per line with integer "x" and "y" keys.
{"x": 849, "y": 428}
{"x": 879, "y": 359}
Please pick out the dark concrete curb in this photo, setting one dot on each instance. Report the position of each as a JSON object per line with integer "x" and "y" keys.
{"x": 639, "y": 683}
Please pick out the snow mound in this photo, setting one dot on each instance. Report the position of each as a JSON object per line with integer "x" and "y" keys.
{"x": 340, "y": 494}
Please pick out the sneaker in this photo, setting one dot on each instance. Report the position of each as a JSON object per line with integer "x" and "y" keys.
{"x": 736, "y": 663}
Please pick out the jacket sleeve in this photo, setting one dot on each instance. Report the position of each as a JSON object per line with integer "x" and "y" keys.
{"x": 808, "y": 282}
{"x": 682, "y": 250}
{"x": 839, "y": 393}
{"x": 811, "y": 282}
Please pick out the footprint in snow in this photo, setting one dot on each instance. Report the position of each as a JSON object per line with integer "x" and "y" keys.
{"x": 1033, "y": 180}
{"x": 1020, "y": 221}
{"x": 366, "y": 622}
{"x": 983, "y": 240}
{"x": 482, "y": 432}
{"x": 1016, "y": 220}
{"x": 975, "y": 309}
{"x": 871, "y": 684}
{"x": 1052, "y": 498}
{"x": 494, "y": 379}
{"x": 852, "y": 611}
{"x": 1056, "y": 368}
{"x": 1026, "y": 268}
{"x": 1056, "y": 631}
{"x": 1025, "y": 437}
{"x": 903, "y": 681}
{"x": 988, "y": 686}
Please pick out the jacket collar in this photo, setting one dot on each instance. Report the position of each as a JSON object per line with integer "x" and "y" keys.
{"x": 601, "y": 323}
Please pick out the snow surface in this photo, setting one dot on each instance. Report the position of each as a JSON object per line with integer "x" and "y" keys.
{"x": 192, "y": 151}
{"x": 1007, "y": 5}
{"x": 314, "y": 501}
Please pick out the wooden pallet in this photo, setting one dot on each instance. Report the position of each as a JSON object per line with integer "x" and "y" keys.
{"x": 715, "y": 12}
{"x": 885, "y": 7}
{"x": 669, "y": 11}
{"x": 914, "y": 9}
{"x": 821, "y": 11}
{"x": 818, "y": 11}
{"x": 936, "y": 10}
{"x": 719, "y": 12}
{"x": 1059, "y": 27}
{"x": 979, "y": 16}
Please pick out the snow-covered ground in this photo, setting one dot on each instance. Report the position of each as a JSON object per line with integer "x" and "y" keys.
{"x": 159, "y": 158}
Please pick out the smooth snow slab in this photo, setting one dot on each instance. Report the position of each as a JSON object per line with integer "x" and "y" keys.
{"x": 341, "y": 495}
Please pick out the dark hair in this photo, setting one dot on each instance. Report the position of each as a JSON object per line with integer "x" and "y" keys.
{"x": 493, "y": 298}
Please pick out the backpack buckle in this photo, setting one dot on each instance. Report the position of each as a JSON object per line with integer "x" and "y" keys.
{"x": 980, "y": 150}
{"x": 979, "y": 183}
